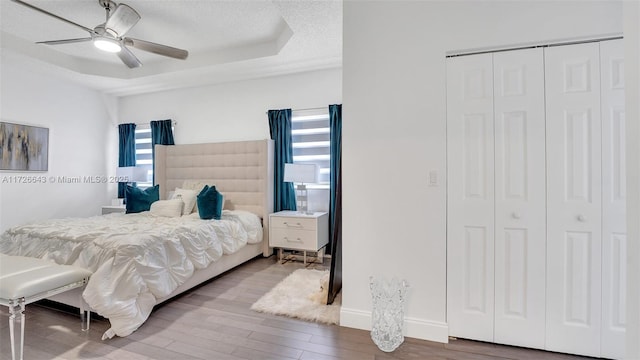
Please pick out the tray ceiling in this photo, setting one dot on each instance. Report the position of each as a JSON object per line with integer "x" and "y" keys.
{"x": 227, "y": 40}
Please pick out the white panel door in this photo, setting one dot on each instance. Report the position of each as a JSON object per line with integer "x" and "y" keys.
{"x": 574, "y": 226}
{"x": 520, "y": 223}
{"x": 470, "y": 191}
{"x": 614, "y": 233}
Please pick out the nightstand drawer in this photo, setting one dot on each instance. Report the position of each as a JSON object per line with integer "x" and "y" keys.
{"x": 293, "y": 223}
{"x": 294, "y": 239}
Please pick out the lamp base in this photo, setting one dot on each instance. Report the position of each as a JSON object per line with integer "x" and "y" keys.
{"x": 301, "y": 199}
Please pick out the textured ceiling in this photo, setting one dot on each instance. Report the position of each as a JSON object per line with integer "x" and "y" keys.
{"x": 227, "y": 40}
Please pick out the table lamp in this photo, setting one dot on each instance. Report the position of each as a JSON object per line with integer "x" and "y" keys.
{"x": 301, "y": 174}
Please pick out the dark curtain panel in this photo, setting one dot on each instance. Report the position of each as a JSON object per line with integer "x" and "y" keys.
{"x": 335, "y": 201}
{"x": 335, "y": 276}
{"x": 126, "y": 150}
{"x": 335, "y": 138}
{"x": 280, "y": 129}
{"x": 161, "y": 133}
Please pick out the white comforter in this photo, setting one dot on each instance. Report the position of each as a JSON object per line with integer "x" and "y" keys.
{"x": 136, "y": 258}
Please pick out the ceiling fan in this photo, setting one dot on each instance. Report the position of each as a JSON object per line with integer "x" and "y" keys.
{"x": 109, "y": 36}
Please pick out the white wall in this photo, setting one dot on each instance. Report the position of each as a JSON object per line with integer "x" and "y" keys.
{"x": 81, "y": 143}
{"x": 394, "y": 133}
{"x": 83, "y": 133}
{"x": 236, "y": 111}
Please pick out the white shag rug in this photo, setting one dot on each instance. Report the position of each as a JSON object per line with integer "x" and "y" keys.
{"x": 294, "y": 296}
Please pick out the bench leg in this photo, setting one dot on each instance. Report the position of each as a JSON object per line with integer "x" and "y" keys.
{"x": 85, "y": 314}
{"x": 16, "y": 309}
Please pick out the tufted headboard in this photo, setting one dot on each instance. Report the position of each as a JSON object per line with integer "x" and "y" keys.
{"x": 241, "y": 170}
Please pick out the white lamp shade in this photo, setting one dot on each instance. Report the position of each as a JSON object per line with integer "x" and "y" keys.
{"x": 132, "y": 173}
{"x": 300, "y": 173}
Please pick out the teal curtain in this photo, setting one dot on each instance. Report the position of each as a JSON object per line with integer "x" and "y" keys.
{"x": 162, "y": 134}
{"x": 126, "y": 150}
{"x": 335, "y": 201}
{"x": 280, "y": 129}
{"x": 335, "y": 126}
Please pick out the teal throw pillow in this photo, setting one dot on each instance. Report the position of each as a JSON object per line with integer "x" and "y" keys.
{"x": 210, "y": 203}
{"x": 138, "y": 200}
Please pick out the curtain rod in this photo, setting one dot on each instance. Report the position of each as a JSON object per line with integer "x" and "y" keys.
{"x": 307, "y": 109}
{"x": 174, "y": 123}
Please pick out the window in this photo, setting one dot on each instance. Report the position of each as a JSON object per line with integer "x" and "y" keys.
{"x": 143, "y": 153}
{"x": 310, "y": 135}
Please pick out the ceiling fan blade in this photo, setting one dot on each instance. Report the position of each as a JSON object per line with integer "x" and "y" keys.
{"x": 90, "y": 31}
{"x": 128, "y": 58}
{"x": 157, "y": 48}
{"x": 122, "y": 19}
{"x": 65, "y": 41}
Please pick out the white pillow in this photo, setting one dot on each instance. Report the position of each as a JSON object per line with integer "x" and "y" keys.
{"x": 188, "y": 197}
{"x": 167, "y": 208}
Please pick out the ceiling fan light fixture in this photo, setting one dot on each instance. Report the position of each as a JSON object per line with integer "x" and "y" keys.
{"x": 107, "y": 44}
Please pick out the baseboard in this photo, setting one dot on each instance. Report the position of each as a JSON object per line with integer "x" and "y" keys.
{"x": 413, "y": 327}
{"x": 427, "y": 330}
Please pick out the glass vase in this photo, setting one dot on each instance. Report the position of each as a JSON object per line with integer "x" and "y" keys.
{"x": 388, "y": 312}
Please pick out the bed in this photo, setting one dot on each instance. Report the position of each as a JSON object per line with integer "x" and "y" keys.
{"x": 242, "y": 171}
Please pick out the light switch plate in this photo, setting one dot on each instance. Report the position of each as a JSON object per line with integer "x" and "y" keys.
{"x": 433, "y": 178}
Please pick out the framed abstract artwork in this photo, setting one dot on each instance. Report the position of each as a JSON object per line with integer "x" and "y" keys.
{"x": 23, "y": 147}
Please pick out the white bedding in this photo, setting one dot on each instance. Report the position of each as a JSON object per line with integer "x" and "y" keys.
{"x": 136, "y": 258}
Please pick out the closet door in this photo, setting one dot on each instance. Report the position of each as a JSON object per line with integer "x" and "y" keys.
{"x": 470, "y": 251}
{"x": 614, "y": 238}
{"x": 574, "y": 195}
{"x": 520, "y": 230}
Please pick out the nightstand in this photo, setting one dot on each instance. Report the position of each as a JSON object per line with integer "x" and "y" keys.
{"x": 108, "y": 209}
{"x": 299, "y": 231}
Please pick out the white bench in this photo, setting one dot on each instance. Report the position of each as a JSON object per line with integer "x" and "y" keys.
{"x": 24, "y": 280}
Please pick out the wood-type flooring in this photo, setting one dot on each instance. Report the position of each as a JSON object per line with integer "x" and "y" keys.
{"x": 214, "y": 322}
